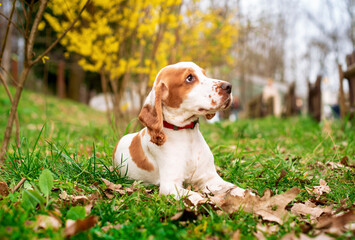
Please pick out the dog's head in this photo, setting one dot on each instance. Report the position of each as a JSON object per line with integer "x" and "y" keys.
{"x": 181, "y": 93}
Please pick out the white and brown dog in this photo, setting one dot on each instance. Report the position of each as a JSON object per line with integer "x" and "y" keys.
{"x": 170, "y": 150}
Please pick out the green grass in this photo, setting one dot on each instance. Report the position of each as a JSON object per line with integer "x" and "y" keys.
{"x": 76, "y": 144}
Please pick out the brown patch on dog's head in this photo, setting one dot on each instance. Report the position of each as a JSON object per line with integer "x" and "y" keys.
{"x": 178, "y": 87}
{"x": 138, "y": 156}
{"x": 170, "y": 88}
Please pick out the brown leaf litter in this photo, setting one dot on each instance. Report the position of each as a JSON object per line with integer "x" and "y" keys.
{"x": 4, "y": 190}
{"x": 273, "y": 209}
{"x": 345, "y": 162}
{"x": 114, "y": 187}
{"x": 283, "y": 173}
{"x": 236, "y": 235}
{"x": 319, "y": 190}
{"x": 310, "y": 209}
{"x": 337, "y": 224}
{"x": 73, "y": 199}
{"x": 293, "y": 236}
{"x": 74, "y": 227}
{"x": 268, "y": 228}
{"x": 111, "y": 226}
{"x": 270, "y": 208}
{"x": 45, "y": 222}
{"x": 111, "y": 187}
{"x": 186, "y": 214}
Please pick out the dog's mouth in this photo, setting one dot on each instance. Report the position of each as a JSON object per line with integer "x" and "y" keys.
{"x": 224, "y": 105}
{"x": 227, "y": 103}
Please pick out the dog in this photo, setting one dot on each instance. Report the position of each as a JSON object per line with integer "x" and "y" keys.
{"x": 171, "y": 151}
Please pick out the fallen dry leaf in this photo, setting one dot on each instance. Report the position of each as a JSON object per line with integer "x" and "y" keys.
{"x": 269, "y": 208}
{"x": 4, "y": 190}
{"x": 319, "y": 190}
{"x": 114, "y": 187}
{"x": 309, "y": 208}
{"x": 110, "y": 226}
{"x": 129, "y": 190}
{"x": 323, "y": 201}
{"x": 267, "y": 228}
{"x": 259, "y": 235}
{"x": 345, "y": 162}
{"x": 74, "y": 200}
{"x": 64, "y": 195}
{"x": 319, "y": 165}
{"x": 79, "y": 199}
{"x": 88, "y": 208}
{"x": 292, "y": 236}
{"x": 108, "y": 194}
{"x": 94, "y": 196}
{"x": 283, "y": 173}
{"x": 336, "y": 224}
{"x": 335, "y": 165}
{"x": 74, "y": 227}
{"x": 344, "y": 205}
{"x": 45, "y": 222}
{"x": 184, "y": 215}
{"x": 236, "y": 235}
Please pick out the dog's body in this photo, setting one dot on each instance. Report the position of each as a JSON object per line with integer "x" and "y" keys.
{"x": 162, "y": 153}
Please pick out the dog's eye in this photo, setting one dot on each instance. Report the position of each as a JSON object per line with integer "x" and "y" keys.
{"x": 189, "y": 78}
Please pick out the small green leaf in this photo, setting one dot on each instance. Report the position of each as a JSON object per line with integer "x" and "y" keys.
{"x": 77, "y": 212}
{"x": 31, "y": 198}
{"x": 46, "y": 182}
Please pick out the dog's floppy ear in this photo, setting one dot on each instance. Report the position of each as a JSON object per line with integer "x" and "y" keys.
{"x": 151, "y": 114}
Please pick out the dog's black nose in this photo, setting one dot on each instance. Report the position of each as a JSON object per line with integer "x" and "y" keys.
{"x": 227, "y": 87}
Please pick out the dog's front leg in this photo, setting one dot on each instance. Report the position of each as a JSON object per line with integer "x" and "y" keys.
{"x": 171, "y": 180}
{"x": 207, "y": 178}
{"x": 216, "y": 185}
{"x": 179, "y": 192}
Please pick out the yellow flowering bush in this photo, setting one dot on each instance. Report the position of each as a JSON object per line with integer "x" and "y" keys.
{"x": 139, "y": 37}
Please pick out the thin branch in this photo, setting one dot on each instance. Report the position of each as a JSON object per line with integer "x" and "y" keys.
{"x": 16, "y": 117}
{"x": 22, "y": 20}
{"x": 62, "y": 36}
{"x": 10, "y": 76}
{"x": 27, "y": 28}
{"x": 4, "y": 16}
{"x": 24, "y": 9}
{"x": 34, "y": 29}
{"x": 19, "y": 185}
{"x": 7, "y": 31}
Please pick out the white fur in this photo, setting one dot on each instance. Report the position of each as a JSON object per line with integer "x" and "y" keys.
{"x": 185, "y": 156}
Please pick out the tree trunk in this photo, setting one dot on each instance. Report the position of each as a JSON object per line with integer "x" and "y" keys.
{"x": 6, "y": 61}
{"x": 13, "y": 112}
{"x": 105, "y": 92}
{"x": 6, "y": 44}
{"x": 14, "y": 69}
{"x": 61, "y": 79}
{"x": 76, "y": 76}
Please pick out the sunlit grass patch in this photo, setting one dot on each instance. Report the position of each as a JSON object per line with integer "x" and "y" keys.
{"x": 270, "y": 153}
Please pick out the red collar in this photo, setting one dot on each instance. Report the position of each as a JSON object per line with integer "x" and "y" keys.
{"x": 188, "y": 126}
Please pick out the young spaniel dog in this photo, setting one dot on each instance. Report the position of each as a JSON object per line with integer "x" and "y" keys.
{"x": 171, "y": 151}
